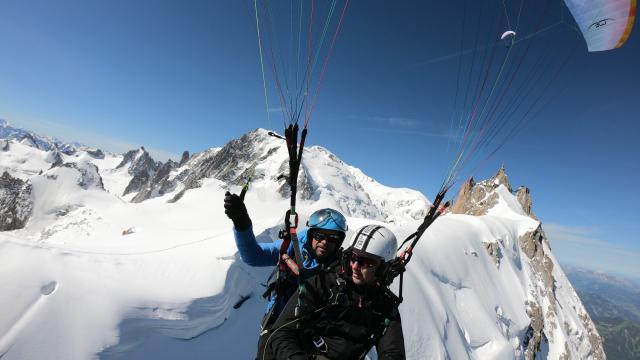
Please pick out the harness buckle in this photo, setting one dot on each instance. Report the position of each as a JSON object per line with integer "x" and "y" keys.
{"x": 292, "y": 220}
{"x": 319, "y": 343}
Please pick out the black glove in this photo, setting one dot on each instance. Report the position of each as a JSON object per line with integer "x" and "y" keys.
{"x": 236, "y": 211}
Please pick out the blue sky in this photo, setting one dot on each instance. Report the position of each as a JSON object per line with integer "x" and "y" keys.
{"x": 186, "y": 75}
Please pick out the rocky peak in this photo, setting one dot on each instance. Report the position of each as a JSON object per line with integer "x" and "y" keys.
{"x": 16, "y": 204}
{"x": 141, "y": 166}
{"x": 184, "y": 158}
{"x": 234, "y": 163}
{"x": 478, "y": 198}
{"x": 138, "y": 160}
{"x": 237, "y": 159}
{"x": 500, "y": 178}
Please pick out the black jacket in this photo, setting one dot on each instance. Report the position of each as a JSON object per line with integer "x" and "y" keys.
{"x": 345, "y": 326}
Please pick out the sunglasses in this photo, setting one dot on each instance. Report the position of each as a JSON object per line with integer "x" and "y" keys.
{"x": 363, "y": 261}
{"x": 327, "y": 237}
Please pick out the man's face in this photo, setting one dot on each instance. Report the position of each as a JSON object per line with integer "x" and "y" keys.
{"x": 363, "y": 269}
{"x": 325, "y": 243}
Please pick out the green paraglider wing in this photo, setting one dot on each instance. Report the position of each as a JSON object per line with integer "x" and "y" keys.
{"x": 605, "y": 24}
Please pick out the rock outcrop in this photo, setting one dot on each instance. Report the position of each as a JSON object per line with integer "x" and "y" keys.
{"x": 534, "y": 337}
{"x": 477, "y": 198}
{"x": 89, "y": 175}
{"x": 55, "y": 158}
{"x": 16, "y": 205}
{"x": 493, "y": 249}
{"x": 95, "y": 153}
{"x": 523, "y": 194}
{"x": 160, "y": 184}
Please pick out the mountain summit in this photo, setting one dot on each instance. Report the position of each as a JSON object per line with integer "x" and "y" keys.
{"x": 144, "y": 248}
{"x": 263, "y": 160}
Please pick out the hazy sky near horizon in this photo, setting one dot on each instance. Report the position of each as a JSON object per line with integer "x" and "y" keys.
{"x": 176, "y": 76}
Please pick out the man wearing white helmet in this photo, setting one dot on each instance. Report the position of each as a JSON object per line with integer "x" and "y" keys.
{"x": 343, "y": 314}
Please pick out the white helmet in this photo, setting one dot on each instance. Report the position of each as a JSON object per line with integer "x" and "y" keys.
{"x": 375, "y": 240}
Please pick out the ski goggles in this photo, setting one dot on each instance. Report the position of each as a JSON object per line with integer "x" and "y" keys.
{"x": 363, "y": 261}
{"x": 322, "y": 236}
{"x": 322, "y": 218}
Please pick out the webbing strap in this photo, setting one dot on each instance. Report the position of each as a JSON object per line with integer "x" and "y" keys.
{"x": 290, "y": 233}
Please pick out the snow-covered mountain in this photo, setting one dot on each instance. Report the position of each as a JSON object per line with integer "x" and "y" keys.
{"x": 121, "y": 256}
{"x": 41, "y": 142}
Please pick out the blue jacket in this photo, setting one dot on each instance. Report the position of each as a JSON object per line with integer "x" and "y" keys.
{"x": 266, "y": 254}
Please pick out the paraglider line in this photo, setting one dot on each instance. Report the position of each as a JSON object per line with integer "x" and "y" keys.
{"x": 506, "y": 14}
{"x": 517, "y": 68}
{"x": 538, "y": 32}
{"x": 455, "y": 101}
{"x": 513, "y": 75}
{"x": 519, "y": 13}
{"x": 264, "y": 82}
{"x": 286, "y": 112}
{"x": 326, "y": 62}
{"x": 274, "y": 44}
{"x": 523, "y": 120}
{"x": 308, "y": 69}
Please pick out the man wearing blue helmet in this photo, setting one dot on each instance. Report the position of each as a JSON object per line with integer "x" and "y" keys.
{"x": 319, "y": 243}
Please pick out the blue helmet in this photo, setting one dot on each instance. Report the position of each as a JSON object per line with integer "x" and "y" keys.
{"x": 327, "y": 219}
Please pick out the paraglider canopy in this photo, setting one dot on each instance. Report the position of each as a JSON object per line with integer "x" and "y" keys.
{"x": 605, "y": 24}
{"x": 507, "y": 34}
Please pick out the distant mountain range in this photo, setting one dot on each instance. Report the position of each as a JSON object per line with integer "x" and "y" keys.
{"x": 45, "y": 143}
{"x": 614, "y": 305}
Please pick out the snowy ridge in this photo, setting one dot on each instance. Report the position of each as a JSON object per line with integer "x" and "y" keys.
{"x": 30, "y": 138}
{"x": 407, "y": 202}
{"x": 479, "y": 294}
{"x": 149, "y": 275}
